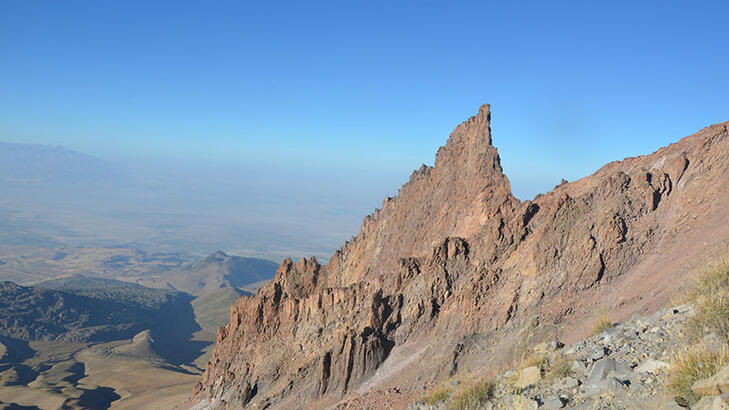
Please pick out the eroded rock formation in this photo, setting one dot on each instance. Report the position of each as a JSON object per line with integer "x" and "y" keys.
{"x": 449, "y": 275}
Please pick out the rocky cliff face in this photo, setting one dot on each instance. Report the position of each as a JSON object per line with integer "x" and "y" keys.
{"x": 449, "y": 274}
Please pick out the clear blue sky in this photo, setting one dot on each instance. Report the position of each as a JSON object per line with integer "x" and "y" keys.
{"x": 346, "y": 85}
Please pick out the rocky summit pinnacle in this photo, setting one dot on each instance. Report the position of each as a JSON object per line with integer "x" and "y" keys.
{"x": 476, "y": 130}
{"x": 454, "y": 271}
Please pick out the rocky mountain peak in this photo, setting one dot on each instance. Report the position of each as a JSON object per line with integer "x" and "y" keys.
{"x": 469, "y": 148}
{"x": 474, "y": 134}
{"x": 468, "y": 141}
{"x": 449, "y": 275}
{"x": 464, "y": 189}
{"x": 217, "y": 256}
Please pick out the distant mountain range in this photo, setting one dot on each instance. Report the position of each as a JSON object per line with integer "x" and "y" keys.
{"x": 43, "y": 163}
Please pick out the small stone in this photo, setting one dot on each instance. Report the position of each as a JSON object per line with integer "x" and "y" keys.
{"x": 710, "y": 403}
{"x": 705, "y": 387}
{"x": 717, "y": 384}
{"x": 566, "y": 383}
{"x": 601, "y": 369}
{"x": 529, "y": 376}
{"x": 576, "y": 347}
{"x": 553, "y": 402}
{"x": 685, "y": 308}
{"x": 637, "y": 378}
{"x": 624, "y": 379}
{"x": 609, "y": 384}
{"x": 651, "y": 366}
{"x": 721, "y": 380}
{"x": 578, "y": 367}
{"x": 622, "y": 367}
{"x": 608, "y": 335}
{"x": 596, "y": 354}
{"x": 625, "y": 350}
{"x": 658, "y": 401}
{"x": 513, "y": 401}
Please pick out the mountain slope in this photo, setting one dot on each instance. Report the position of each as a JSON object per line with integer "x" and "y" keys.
{"x": 111, "y": 289}
{"x": 212, "y": 309}
{"x": 448, "y": 276}
{"x": 83, "y": 309}
{"x": 220, "y": 270}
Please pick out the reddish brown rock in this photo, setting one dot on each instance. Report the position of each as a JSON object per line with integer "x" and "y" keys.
{"x": 455, "y": 271}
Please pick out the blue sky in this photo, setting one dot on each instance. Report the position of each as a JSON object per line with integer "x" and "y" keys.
{"x": 348, "y": 86}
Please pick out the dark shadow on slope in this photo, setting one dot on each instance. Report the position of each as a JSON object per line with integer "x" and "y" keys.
{"x": 14, "y": 372}
{"x": 98, "y": 398}
{"x": 20, "y": 374}
{"x": 78, "y": 371}
{"x": 18, "y": 351}
{"x": 16, "y": 406}
{"x": 173, "y": 336}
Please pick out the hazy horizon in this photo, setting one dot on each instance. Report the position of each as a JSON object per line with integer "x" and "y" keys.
{"x": 375, "y": 89}
{"x": 269, "y": 130}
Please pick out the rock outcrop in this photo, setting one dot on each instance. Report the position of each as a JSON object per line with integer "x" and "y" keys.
{"x": 452, "y": 272}
{"x": 623, "y": 367}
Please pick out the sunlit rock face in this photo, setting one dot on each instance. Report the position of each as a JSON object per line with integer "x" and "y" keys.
{"x": 454, "y": 271}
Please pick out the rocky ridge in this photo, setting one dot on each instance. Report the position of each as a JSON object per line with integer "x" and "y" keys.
{"x": 452, "y": 272}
